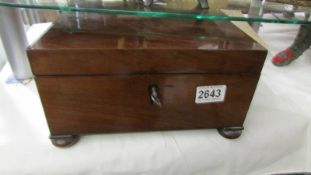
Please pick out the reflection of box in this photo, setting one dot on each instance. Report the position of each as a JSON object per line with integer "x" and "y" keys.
{"x": 124, "y": 73}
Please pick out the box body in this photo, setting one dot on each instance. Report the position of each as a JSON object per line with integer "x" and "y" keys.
{"x": 94, "y": 73}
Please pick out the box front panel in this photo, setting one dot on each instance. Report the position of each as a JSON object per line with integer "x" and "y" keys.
{"x": 96, "y": 104}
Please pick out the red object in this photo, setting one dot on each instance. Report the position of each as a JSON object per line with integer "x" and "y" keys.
{"x": 283, "y": 58}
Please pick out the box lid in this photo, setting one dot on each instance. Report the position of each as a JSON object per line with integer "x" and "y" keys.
{"x": 90, "y": 44}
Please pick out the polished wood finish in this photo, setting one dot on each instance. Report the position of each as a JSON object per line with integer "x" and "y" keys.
{"x": 94, "y": 104}
{"x": 95, "y": 76}
{"x": 64, "y": 141}
{"x": 131, "y": 45}
{"x": 231, "y": 132}
{"x": 94, "y": 62}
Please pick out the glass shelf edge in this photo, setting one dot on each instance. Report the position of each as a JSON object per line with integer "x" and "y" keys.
{"x": 156, "y": 14}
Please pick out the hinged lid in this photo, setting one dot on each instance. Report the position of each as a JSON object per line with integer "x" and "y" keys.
{"x": 117, "y": 44}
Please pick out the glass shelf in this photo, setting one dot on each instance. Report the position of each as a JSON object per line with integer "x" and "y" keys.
{"x": 271, "y": 11}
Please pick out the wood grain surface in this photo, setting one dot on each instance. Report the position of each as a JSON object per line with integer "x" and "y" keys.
{"x": 94, "y": 76}
{"x": 116, "y": 44}
{"x": 95, "y": 104}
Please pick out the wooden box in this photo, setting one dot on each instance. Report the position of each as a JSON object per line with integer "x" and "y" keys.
{"x": 114, "y": 73}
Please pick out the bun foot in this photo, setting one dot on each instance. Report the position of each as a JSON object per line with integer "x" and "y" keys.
{"x": 64, "y": 141}
{"x": 231, "y": 132}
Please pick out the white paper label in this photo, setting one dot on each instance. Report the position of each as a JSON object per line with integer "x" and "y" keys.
{"x": 210, "y": 94}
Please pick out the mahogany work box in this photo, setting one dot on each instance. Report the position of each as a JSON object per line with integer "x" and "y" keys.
{"x": 116, "y": 73}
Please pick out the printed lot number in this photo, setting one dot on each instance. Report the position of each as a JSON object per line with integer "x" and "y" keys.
{"x": 210, "y": 94}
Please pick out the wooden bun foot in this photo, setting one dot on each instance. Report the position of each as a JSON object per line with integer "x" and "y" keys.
{"x": 231, "y": 132}
{"x": 64, "y": 141}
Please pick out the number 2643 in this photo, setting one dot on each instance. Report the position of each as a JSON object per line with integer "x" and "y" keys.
{"x": 207, "y": 93}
